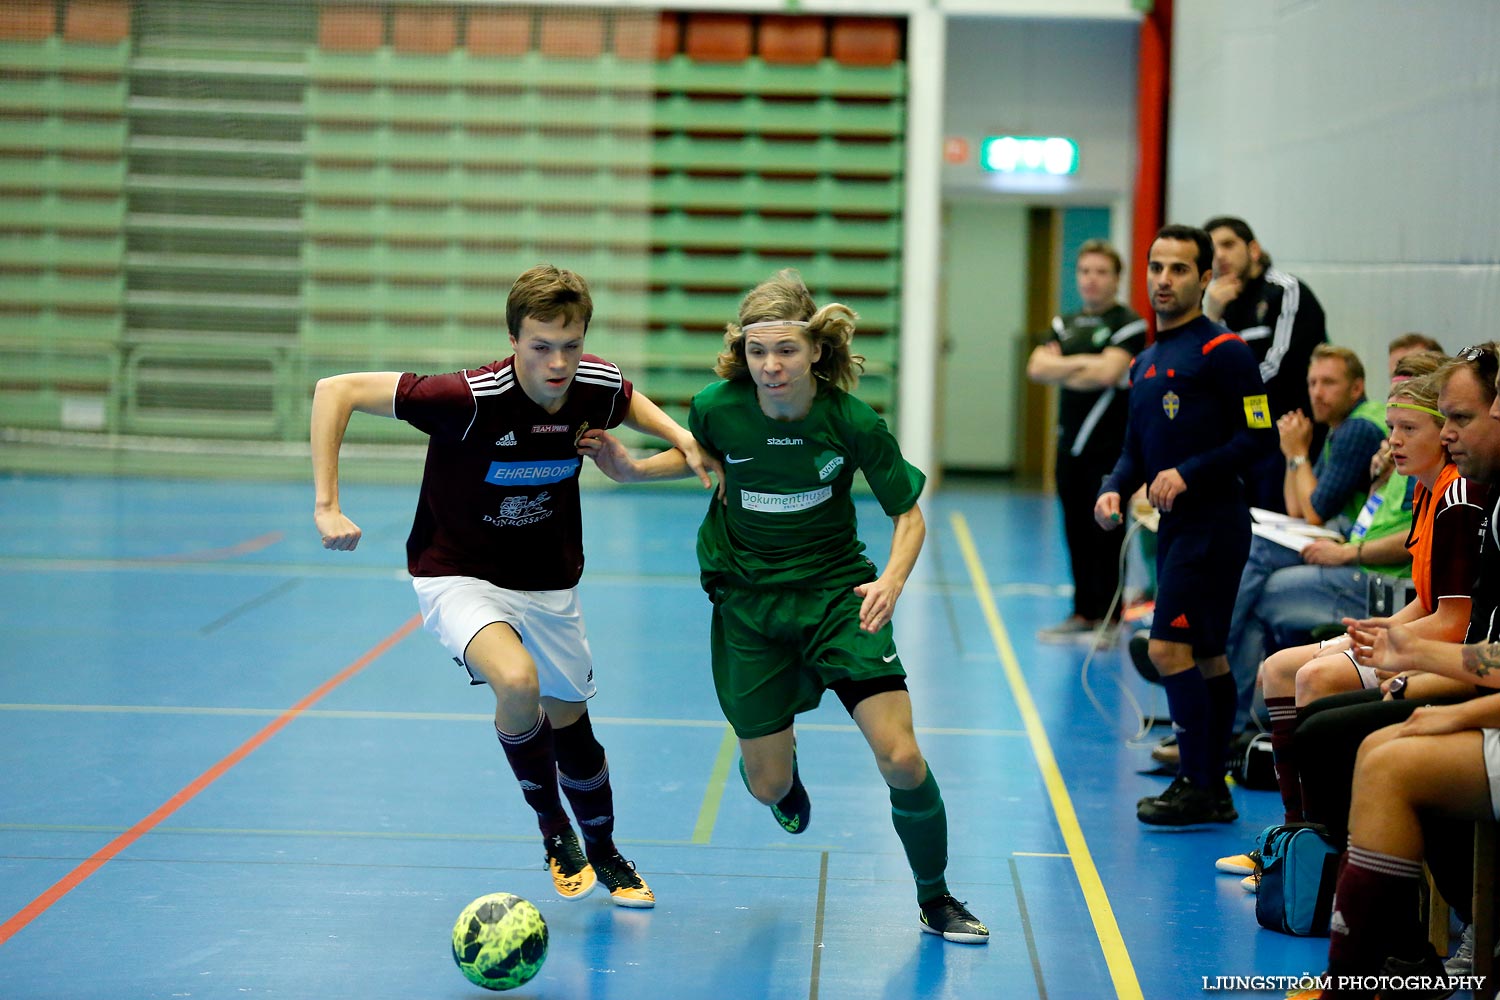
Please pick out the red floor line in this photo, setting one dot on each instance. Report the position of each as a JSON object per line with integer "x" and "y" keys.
{"x": 109, "y": 851}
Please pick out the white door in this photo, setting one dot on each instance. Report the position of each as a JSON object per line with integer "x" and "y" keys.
{"x": 983, "y": 328}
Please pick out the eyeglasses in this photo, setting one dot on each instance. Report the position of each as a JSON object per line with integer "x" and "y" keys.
{"x": 1485, "y": 360}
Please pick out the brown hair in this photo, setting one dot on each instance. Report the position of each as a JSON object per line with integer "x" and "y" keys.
{"x": 1353, "y": 367}
{"x": 1483, "y": 360}
{"x": 1409, "y": 340}
{"x": 785, "y": 296}
{"x": 1105, "y": 249}
{"x": 545, "y": 293}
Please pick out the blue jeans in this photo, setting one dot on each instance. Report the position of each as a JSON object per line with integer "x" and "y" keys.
{"x": 1280, "y": 600}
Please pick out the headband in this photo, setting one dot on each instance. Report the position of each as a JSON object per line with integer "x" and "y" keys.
{"x": 769, "y": 323}
{"x": 1419, "y": 408}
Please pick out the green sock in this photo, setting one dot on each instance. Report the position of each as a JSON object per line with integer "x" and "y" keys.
{"x": 921, "y": 822}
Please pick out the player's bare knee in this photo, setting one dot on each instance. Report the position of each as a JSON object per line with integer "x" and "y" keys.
{"x": 513, "y": 683}
{"x": 1318, "y": 680}
{"x": 769, "y": 789}
{"x": 902, "y": 765}
{"x": 1170, "y": 657}
{"x": 1382, "y": 757}
{"x": 1279, "y": 672}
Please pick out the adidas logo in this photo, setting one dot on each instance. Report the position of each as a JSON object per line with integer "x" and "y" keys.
{"x": 529, "y": 786}
{"x": 509, "y": 440}
{"x": 1180, "y": 622}
{"x": 1336, "y": 923}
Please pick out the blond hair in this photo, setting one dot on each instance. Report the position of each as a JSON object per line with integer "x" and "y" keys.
{"x": 1419, "y": 389}
{"x": 785, "y": 297}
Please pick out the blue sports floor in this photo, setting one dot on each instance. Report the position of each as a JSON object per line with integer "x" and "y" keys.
{"x": 230, "y": 767}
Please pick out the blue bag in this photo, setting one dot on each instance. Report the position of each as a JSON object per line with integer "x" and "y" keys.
{"x": 1298, "y": 869}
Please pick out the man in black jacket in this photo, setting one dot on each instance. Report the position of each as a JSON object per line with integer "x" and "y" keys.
{"x": 1281, "y": 320}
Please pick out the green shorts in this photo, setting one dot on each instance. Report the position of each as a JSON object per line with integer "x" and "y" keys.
{"x": 776, "y": 651}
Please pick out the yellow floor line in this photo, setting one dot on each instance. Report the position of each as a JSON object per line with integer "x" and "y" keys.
{"x": 1121, "y": 970}
{"x": 708, "y": 813}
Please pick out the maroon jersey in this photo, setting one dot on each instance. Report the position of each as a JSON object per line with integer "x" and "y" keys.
{"x": 499, "y": 498}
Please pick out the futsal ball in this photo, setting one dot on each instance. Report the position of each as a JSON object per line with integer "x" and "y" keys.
{"x": 500, "y": 941}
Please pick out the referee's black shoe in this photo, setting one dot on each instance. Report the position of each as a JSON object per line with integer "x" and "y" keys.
{"x": 1186, "y": 804}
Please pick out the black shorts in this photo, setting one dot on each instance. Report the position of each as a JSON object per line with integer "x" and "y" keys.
{"x": 1198, "y": 564}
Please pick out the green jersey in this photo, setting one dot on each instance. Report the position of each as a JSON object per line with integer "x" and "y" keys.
{"x": 789, "y": 520}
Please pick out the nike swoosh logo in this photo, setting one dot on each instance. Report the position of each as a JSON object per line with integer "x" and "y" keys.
{"x": 887, "y": 659}
{"x": 737, "y": 461}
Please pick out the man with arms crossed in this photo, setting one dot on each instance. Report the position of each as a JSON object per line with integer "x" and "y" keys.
{"x": 1087, "y": 355}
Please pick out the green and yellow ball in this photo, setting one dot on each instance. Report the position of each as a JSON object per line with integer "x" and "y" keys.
{"x": 500, "y": 941}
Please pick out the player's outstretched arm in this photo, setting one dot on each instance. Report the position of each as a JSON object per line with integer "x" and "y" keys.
{"x": 334, "y": 400}
{"x": 615, "y": 461}
{"x": 880, "y": 595}
{"x": 648, "y": 418}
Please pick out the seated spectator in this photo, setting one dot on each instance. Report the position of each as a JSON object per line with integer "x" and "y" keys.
{"x": 1330, "y": 729}
{"x": 1333, "y": 492}
{"x": 1408, "y": 343}
{"x": 1442, "y": 762}
{"x": 1334, "y": 485}
{"x": 1445, "y": 561}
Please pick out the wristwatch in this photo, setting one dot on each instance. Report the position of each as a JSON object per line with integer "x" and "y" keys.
{"x": 1397, "y": 688}
{"x": 1296, "y": 462}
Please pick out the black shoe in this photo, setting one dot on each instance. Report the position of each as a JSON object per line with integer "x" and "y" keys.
{"x": 1185, "y": 804}
{"x": 952, "y": 920}
{"x": 1170, "y": 791}
{"x": 625, "y": 885}
{"x": 1220, "y": 788}
{"x": 1427, "y": 968}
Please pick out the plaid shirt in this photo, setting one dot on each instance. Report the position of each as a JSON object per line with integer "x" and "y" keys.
{"x": 1343, "y": 469}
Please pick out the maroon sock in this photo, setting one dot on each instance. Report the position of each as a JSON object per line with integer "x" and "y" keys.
{"x": 1374, "y": 910}
{"x": 534, "y": 762}
{"x": 1283, "y": 713}
{"x": 583, "y": 772}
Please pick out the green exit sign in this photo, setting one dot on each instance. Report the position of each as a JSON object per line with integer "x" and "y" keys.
{"x": 1029, "y": 154}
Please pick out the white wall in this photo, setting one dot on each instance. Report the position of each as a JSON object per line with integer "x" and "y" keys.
{"x": 1074, "y": 78}
{"x": 1017, "y": 76}
{"x": 1360, "y": 139}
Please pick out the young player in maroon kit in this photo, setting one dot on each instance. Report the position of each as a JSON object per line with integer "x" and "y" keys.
{"x": 496, "y": 547}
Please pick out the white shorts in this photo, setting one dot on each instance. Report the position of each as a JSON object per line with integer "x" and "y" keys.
{"x": 1367, "y": 676}
{"x": 549, "y": 622}
{"x": 1492, "y": 767}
